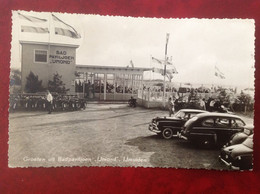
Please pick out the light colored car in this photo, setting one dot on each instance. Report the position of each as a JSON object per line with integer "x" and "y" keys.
{"x": 239, "y": 156}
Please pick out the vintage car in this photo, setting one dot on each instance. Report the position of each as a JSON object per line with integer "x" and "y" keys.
{"x": 239, "y": 137}
{"x": 239, "y": 156}
{"x": 212, "y": 128}
{"x": 167, "y": 127}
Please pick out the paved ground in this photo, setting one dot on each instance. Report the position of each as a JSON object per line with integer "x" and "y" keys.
{"x": 101, "y": 135}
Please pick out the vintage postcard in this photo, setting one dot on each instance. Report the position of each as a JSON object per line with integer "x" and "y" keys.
{"x": 92, "y": 90}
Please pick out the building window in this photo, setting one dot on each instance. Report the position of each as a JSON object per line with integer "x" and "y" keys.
{"x": 40, "y": 56}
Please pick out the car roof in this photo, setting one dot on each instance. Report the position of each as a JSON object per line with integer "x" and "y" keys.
{"x": 215, "y": 114}
{"x": 193, "y": 110}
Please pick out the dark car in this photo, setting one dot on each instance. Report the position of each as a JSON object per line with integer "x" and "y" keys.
{"x": 212, "y": 128}
{"x": 170, "y": 126}
{"x": 239, "y": 156}
{"x": 241, "y": 136}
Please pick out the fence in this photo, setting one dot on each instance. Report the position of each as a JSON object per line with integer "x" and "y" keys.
{"x": 152, "y": 99}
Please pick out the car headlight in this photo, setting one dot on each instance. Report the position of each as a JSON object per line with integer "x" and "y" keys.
{"x": 239, "y": 157}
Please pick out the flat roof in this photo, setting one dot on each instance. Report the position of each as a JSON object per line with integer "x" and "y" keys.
{"x": 217, "y": 114}
{"x": 48, "y": 43}
{"x": 112, "y": 68}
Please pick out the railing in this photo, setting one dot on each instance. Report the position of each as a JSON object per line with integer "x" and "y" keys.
{"x": 152, "y": 99}
{"x": 149, "y": 95}
{"x": 153, "y": 96}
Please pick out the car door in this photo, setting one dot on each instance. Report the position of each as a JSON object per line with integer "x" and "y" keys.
{"x": 237, "y": 125}
{"x": 202, "y": 130}
{"x": 223, "y": 129}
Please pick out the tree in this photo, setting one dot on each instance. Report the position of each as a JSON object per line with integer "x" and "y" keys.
{"x": 56, "y": 85}
{"x": 245, "y": 100}
{"x": 15, "y": 81}
{"x": 15, "y": 77}
{"x": 33, "y": 84}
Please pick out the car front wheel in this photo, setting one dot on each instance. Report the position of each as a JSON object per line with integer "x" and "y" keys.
{"x": 167, "y": 133}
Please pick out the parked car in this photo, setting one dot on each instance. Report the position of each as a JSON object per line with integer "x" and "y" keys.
{"x": 212, "y": 128}
{"x": 239, "y": 137}
{"x": 170, "y": 126}
{"x": 239, "y": 156}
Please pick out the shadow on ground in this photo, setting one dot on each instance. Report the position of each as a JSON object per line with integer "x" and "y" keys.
{"x": 176, "y": 153}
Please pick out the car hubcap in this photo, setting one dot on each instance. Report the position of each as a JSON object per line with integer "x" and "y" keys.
{"x": 167, "y": 134}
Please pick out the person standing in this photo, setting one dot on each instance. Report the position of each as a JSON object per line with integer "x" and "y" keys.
{"x": 202, "y": 104}
{"x": 212, "y": 105}
{"x": 49, "y": 99}
{"x": 171, "y": 106}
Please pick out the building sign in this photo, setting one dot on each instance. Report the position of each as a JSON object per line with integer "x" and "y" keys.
{"x": 61, "y": 57}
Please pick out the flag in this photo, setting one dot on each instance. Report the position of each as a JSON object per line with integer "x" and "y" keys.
{"x": 34, "y": 29}
{"x": 33, "y": 24}
{"x": 157, "y": 60}
{"x": 172, "y": 70}
{"x": 158, "y": 70}
{"x": 61, "y": 28}
{"x": 169, "y": 72}
{"x": 31, "y": 18}
{"x": 218, "y": 73}
{"x": 161, "y": 61}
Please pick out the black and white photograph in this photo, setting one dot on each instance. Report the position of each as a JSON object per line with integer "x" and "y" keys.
{"x": 94, "y": 91}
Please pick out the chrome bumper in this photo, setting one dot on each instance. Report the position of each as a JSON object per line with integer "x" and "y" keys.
{"x": 153, "y": 127}
{"x": 179, "y": 135}
{"x": 229, "y": 164}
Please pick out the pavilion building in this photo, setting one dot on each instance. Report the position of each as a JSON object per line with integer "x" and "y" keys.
{"x": 99, "y": 82}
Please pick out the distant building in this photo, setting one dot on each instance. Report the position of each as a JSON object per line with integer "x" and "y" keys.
{"x": 46, "y": 59}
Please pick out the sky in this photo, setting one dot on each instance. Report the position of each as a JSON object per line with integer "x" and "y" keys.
{"x": 195, "y": 45}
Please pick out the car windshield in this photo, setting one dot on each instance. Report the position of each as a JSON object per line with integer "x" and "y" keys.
{"x": 179, "y": 114}
{"x": 248, "y": 142}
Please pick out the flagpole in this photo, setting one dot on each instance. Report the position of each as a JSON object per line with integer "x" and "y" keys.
{"x": 20, "y": 47}
{"x": 165, "y": 62}
{"x": 150, "y": 67}
{"x": 49, "y": 50}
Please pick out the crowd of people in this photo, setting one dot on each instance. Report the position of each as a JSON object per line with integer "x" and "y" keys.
{"x": 110, "y": 88}
{"x": 222, "y": 101}
{"x": 212, "y": 105}
{"x": 201, "y": 89}
{"x": 90, "y": 88}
